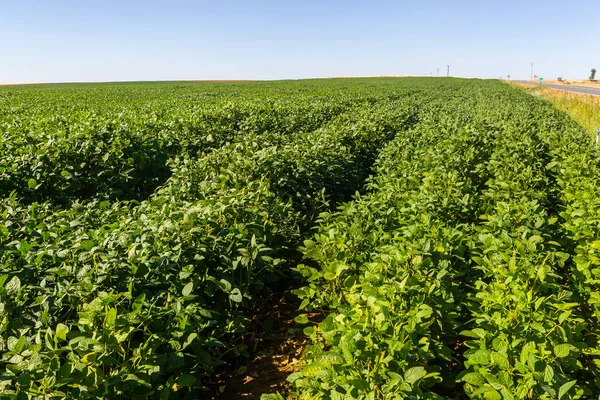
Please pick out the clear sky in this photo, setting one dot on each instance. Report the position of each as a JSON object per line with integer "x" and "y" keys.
{"x": 108, "y": 40}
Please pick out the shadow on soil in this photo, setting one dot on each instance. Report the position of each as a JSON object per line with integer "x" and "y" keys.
{"x": 275, "y": 353}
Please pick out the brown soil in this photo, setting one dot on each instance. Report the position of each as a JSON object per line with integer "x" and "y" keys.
{"x": 277, "y": 355}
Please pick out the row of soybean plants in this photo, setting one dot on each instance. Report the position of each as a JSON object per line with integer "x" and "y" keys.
{"x": 526, "y": 327}
{"x": 145, "y": 299}
{"x": 534, "y": 307}
{"x": 452, "y": 276}
{"x": 121, "y": 150}
{"x": 391, "y": 263}
{"x": 575, "y": 167}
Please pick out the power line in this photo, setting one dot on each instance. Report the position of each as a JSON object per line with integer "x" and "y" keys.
{"x": 531, "y": 78}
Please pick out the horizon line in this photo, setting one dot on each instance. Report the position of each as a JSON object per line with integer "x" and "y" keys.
{"x": 228, "y": 80}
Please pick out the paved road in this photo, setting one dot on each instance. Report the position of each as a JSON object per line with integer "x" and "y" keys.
{"x": 568, "y": 88}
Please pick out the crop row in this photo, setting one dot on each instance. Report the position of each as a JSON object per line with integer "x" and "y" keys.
{"x": 87, "y": 155}
{"x": 461, "y": 271}
{"x": 147, "y": 299}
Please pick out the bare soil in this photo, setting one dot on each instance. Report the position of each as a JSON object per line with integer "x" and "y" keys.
{"x": 277, "y": 354}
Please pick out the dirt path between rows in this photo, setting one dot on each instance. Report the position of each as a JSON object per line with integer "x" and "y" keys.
{"x": 277, "y": 355}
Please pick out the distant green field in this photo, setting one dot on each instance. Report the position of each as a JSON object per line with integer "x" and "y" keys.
{"x": 446, "y": 231}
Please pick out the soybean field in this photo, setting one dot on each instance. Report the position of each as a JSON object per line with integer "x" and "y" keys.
{"x": 442, "y": 237}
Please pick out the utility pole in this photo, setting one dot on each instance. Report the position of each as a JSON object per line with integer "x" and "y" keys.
{"x": 438, "y": 70}
{"x": 531, "y": 78}
{"x": 447, "y": 70}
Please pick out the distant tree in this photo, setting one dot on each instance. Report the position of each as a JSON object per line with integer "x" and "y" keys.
{"x": 593, "y": 74}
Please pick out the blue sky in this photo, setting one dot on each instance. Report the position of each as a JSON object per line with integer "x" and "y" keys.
{"x": 60, "y": 41}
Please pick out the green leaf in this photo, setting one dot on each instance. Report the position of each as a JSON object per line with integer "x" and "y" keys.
{"x": 413, "y": 374}
{"x": 493, "y": 381}
{"x": 301, "y": 319}
{"x": 64, "y": 371}
{"x": 538, "y": 327}
{"x": 360, "y": 384}
{"x": 236, "y": 295}
{"x": 187, "y": 289}
{"x": 309, "y": 330}
{"x": 89, "y": 358}
{"x": 61, "y": 332}
{"x": 539, "y": 302}
{"x": 565, "y": 388}
{"x": 16, "y": 345}
{"x": 3, "y": 279}
{"x": 87, "y": 245}
{"x": 212, "y": 342}
{"x": 271, "y": 396}
{"x": 24, "y": 247}
{"x": 562, "y": 350}
{"x": 548, "y": 374}
{"x": 225, "y": 284}
{"x": 349, "y": 281}
{"x": 474, "y": 378}
{"x": 205, "y": 313}
{"x": 136, "y": 307}
{"x": 48, "y": 339}
{"x": 549, "y": 390}
{"x": 506, "y": 394}
{"x": 526, "y": 350}
{"x": 12, "y": 287}
{"x": 189, "y": 340}
{"x": 477, "y": 333}
{"x": 499, "y": 345}
{"x": 294, "y": 377}
{"x": 564, "y": 316}
{"x": 500, "y": 360}
{"x": 111, "y": 317}
{"x": 186, "y": 380}
{"x": 479, "y": 357}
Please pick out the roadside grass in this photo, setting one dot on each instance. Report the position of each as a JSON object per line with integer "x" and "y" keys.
{"x": 583, "y": 108}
